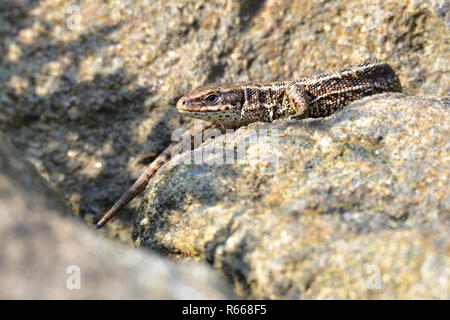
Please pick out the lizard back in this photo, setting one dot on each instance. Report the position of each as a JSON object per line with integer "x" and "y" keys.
{"x": 237, "y": 104}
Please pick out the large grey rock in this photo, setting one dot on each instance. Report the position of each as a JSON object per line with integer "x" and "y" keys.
{"x": 43, "y": 247}
{"x": 357, "y": 207}
{"x": 90, "y": 104}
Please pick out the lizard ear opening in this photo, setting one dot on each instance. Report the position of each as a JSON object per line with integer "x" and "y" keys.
{"x": 236, "y": 98}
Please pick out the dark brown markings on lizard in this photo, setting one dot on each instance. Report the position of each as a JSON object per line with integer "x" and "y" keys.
{"x": 231, "y": 105}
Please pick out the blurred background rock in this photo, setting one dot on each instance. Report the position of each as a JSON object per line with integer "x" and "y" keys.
{"x": 45, "y": 253}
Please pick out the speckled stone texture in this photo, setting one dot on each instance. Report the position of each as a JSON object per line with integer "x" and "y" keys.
{"x": 39, "y": 241}
{"x": 91, "y": 105}
{"x": 361, "y": 194}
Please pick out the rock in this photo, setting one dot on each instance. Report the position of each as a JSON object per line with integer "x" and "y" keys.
{"x": 87, "y": 94}
{"x": 43, "y": 248}
{"x": 357, "y": 205}
{"x": 87, "y": 89}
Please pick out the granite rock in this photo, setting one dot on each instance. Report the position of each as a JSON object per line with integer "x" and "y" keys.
{"x": 87, "y": 89}
{"x": 356, "y": 205}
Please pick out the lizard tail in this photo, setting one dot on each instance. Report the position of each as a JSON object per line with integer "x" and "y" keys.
{"x": 137, "y": 187}
{"x": 150, "y": 171}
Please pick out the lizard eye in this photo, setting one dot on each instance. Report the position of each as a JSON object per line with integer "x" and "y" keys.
{"x": 212, "y": 98}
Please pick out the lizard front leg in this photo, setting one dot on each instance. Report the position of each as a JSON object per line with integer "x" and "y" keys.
{"x": 297, "y": 100}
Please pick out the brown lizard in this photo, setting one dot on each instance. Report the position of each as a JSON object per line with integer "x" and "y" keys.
{"x": 232, "y": 105}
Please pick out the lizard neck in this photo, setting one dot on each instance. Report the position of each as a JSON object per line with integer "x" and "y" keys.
{"x": 262, "y": 101}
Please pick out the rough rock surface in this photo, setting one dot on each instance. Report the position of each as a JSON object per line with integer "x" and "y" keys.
{"x": 357, "y": 207}
{"x": 87, "y": 93}
{"x": 39, "y": 244}
{"x": 89, "y": 98}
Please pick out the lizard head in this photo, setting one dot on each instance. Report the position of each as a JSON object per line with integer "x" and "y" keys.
{"x": 217, "y": 103}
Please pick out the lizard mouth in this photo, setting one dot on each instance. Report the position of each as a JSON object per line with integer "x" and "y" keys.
{"x": 198, "y": 110}
{"x": 186, "y": 108}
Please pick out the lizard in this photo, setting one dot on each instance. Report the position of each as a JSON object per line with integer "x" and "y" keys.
{"x": 233, "y": 105}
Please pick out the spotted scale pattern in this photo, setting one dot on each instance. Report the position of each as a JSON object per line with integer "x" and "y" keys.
{"x": 240, "y": 103}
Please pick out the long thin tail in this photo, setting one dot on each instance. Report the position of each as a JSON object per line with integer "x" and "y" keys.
{"x": 137, "y": 187}
{"x": 150, "y": 171}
